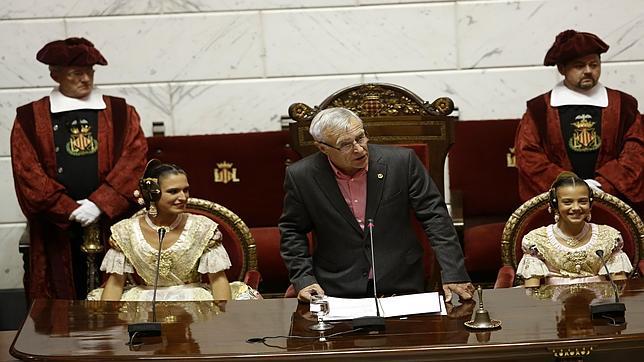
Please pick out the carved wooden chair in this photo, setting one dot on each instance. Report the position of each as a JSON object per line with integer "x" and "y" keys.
{"x": 237, "y": 240}
{"x": 391, "y": 115}
{"x": 607, "y": 209}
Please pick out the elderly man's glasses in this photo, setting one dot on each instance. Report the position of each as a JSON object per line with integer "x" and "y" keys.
{"x": 348, "y": 146}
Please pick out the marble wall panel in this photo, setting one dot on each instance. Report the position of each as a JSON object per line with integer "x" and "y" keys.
{"x": 10, "y": 211}
{"x": 389, "y": 2}
{"x": 175, "y": 47}
{"x": 11, "y": 266}
{"x": 516, "y": 33}
{"x": 502, "y": 93}
{"x": 152, "y": 103}
{"x": 479, "y": 94}
{"x": 20, "y": 42}
{"x": 360, "y": 40}
{"x": 626, "y": 77}
{"x": 26, "y": 9}
{"x": 246, "y": 106}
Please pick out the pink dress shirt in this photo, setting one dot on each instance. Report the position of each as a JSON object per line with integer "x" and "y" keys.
{"x": 354, "y": 190}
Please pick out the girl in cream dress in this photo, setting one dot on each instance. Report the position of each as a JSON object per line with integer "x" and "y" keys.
{"x": 565, "y": 252}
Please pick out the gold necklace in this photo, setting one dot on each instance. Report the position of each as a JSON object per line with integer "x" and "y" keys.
{"x": 572, "y": 241}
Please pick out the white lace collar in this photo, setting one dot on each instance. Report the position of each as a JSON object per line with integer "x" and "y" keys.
{"x": 559, "y": 246}
{"x": 180, "y": 240}
{"x": 59, "y": 102}
{"x": 564, "y": 96}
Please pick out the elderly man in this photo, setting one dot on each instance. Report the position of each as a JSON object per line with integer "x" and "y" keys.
{"x": 76, "y": 157}
{"x": 581, "y": 126}
{"x": 334, "y": 193}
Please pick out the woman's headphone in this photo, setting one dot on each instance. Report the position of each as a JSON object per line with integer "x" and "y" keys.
{"x": 150, "y": 190}
{"x": 149, "y": 186}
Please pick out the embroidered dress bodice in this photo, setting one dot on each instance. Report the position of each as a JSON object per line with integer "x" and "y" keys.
{"x": 178, "y": 263}
{"x": 544, "y": 256}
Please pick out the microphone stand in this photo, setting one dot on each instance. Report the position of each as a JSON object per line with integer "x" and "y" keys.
{"x": 377, "y": 322}
{"x": 614, "y": 312}
{"x": 150, "y": 329}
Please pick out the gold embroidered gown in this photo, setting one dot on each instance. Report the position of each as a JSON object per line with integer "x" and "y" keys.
{"x": 545, "y": 257}
{"x": 198, "y": 250}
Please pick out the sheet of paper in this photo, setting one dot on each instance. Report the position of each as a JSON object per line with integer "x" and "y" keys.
{"x": 443, "y": 307}
{"x": 343, "y": 308}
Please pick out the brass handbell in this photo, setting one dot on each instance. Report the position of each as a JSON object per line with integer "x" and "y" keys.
{"x": 482, "y": 318}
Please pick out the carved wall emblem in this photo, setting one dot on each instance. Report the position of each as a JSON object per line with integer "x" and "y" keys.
{"x": 225, "y": 173}
{"x": 510, "y": 158}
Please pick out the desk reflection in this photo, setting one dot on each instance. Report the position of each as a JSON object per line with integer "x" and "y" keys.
{"x": 98, "y": 325}
{"x": 574, "y": 319}
{"x": 397, "y": 330}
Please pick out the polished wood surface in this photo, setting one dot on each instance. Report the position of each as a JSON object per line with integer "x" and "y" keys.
{"x": 6, "y": 337}
{"x": 540, "y": 326}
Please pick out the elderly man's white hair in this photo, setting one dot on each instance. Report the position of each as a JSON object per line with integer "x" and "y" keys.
{"x": 331, "y": 119}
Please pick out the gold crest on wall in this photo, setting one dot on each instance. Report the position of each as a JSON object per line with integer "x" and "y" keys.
{"x": 225, "y": 172}
{"x": 511, "y": 158}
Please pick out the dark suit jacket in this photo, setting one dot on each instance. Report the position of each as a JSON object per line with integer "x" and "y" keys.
{"x": 397, "y": 182}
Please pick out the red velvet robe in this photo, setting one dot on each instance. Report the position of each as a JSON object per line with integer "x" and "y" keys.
{"x": 621, "y": 155}
{"x": 46, "y": 205}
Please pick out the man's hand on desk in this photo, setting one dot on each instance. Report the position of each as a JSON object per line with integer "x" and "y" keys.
{"x": 305, "y": 294}
{"x": 464, "y": 290}
{"x": 464, "y": 310}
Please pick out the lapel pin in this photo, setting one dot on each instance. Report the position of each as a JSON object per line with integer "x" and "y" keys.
{"x": 380, "y": 176}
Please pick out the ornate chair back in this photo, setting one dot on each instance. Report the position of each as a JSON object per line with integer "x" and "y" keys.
{"x": 606, "y": 209}
{"x": 391, "y": 115}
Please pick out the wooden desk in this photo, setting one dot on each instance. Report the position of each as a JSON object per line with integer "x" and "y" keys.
{"x": 6, "y": 337}
{"x": 533, "y": 329}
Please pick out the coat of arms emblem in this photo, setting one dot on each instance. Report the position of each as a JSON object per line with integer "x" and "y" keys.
{"x": 584, "y": 137}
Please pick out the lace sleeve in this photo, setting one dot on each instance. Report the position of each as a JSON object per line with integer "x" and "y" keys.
{"x": 116, "y": 262}
{"x": 215, "y": 258}
{"x": 532, "y": 267}
{"x": 529, "y": 246}
{"x": 618, "y": 261}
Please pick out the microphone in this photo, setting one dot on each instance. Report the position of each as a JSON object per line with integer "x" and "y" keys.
{"x": 150, "y": 329}
{"x": 377, "y": 322}
{"x": 615, "y": 311}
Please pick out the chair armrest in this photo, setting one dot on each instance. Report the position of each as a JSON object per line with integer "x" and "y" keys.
{"x": 252, "y": 279}
{"x": 505, "y": 278}
{"x": 640, "y": 267}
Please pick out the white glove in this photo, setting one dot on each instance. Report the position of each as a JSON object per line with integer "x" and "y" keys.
{"x": 596, "y": 186}
{"x": 87, "y": 213}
